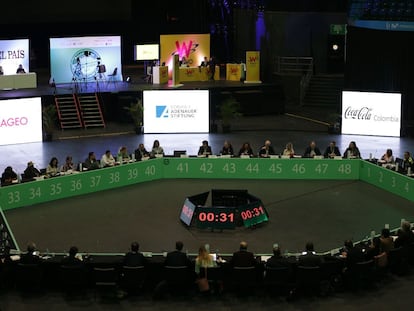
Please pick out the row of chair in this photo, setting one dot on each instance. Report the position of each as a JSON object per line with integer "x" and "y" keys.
{"x": 285, "y": 280}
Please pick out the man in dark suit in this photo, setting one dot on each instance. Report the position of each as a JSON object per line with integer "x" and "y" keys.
{"x": 243, "y": 258}
{"x": 177, "y": 258}
{"x": 31, "y": 257}
{"x": 312, "y": 150}
{"x": 309, "y": 257}
{"x": 405, "y": 235}
{"x": 134, "y": 258}
{"x": 277, "y": 260}
{"x": 353, "y": 254}
{"x": 267, "y": 149}
{"x": 72, "y": 260}
{"x": 204, "y": 149}
{"x": 332, "y": 150}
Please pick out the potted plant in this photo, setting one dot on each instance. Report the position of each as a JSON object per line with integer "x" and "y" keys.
{"x": 49, "y": 117}
{"x": 229, "y": 109}
{"x": 136, "y": 112}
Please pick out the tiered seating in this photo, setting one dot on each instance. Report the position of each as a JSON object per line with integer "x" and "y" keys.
{"x": 394, "y": 10}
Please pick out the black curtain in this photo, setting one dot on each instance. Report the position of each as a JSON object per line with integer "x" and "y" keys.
{"x": 379, "y": 60}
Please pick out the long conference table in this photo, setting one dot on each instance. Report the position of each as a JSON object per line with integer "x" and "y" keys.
{"x": 79, "y": 183}
{"x": 18, "y": 81}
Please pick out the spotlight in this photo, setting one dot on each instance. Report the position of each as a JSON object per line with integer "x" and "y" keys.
{"x": 128, "y": 80}
{"x": 335, "y": 47}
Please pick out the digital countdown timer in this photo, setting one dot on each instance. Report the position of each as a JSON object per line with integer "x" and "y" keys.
{"x": 253, "y": 214}
{"x": 230, "y": 208}
{"x": 216, "y": 217}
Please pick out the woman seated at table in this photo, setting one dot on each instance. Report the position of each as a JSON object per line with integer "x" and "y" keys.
{"x": 289, "y": 151}
{"x": 203, "y": 261}
{"x": 246, "y": 150}
{"x": 387, "y": 157}
{"x": 53, "y": 168}
{"x": 352, "y": 152}
{"x": 68, "y": 166}
{"x": 157, "y": 150}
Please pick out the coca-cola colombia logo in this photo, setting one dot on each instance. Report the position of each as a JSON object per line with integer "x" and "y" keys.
{"x": 363, "y": 113}
{"x": 13, "y": 121}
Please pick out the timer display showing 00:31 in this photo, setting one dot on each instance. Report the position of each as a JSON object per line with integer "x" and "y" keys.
{"x": 252, "y": 213}
{"x": 213, "y": 217}
{"x": 216, "y": 218}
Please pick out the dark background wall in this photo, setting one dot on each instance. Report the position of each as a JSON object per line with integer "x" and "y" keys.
{"x": 381, "y": 61}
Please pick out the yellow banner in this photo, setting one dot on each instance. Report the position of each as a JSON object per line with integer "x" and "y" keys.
{"x": 252, "y": 67}
{"x": 194, "y": 47}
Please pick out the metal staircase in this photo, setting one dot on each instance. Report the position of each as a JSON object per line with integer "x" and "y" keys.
{"x": 91, "y": 111}
{"x": 68, "y": 111}
{"x": 324, "y": 91}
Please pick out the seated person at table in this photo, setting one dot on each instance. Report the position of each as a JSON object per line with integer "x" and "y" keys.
{"x": 1, "y": 71}
{"x": 31, "y": 172}
{"x": 266, "y": 150}
{"x": 227, "y": 149}
{"x": 8, "y": 177}
{"x": 352, "y": 254}
{"x": 407, "y": 162}
{"x": 177, "y": 258}
{"x": 134, "y": 258}
{"x": 277, "y": 260}
{"x": 68, "y": 166}
{"x": 107, "y": 159}
{"x": 91, "y": 163}
{"x": 309, "y": 257}
{"x": 405, "y": 235}
{"x": 332, "y": 151}
{"x": 141, "y": 152}
{"x": 243, "y": 258}
{"x": 246, "y": 149}
{"x": 204, "y": 260}
{"x": 73, "y": 259}
{"x": 374, "y": 249}
{"x": 311, "y": 150}
{"x": 204, "y": 149}
{"x": 31, "y": 256}
{"x": 289, "y": 151}
{"x": 184, "y": 62}
{"x": 53, "y": 168}
{"x": 123, "y": 155}
{"x": 20, "y": 69}
{"x": 156, "y": 149}
{"x": 204, "y": 63}
{"x": 387, "y": 242}
{"x": 387, "y": 157}
{"x": 352, "y": 152}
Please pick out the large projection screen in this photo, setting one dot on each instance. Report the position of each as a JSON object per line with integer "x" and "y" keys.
{"x": 21, "y": 121}
{"x": 14, "y": 53}
{"x": 371, "y": 113}
{"x": 176, "y": 111}
{"x": 146, "y": 52}
{"x": 79, "y": 58}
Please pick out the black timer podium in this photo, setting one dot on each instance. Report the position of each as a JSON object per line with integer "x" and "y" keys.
{"x": 229, "y": 208}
